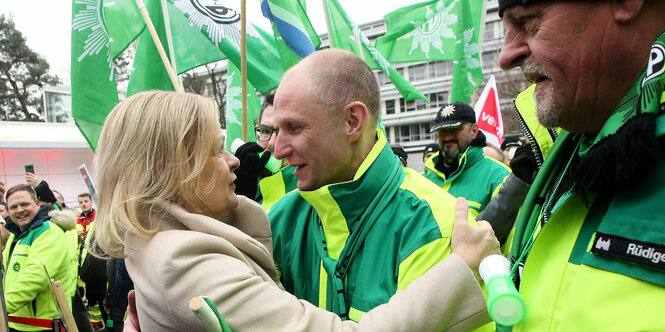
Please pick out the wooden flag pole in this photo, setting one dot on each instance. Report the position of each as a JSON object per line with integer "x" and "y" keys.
{"x": 158, "y": 44}
{"x": 243, "y": 65}
{"x": 325, "y": 13}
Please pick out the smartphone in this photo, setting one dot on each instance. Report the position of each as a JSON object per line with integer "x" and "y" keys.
{"x": 30, "y": 168}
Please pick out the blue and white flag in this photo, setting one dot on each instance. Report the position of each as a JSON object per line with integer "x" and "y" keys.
{"x": 293, "y": 25}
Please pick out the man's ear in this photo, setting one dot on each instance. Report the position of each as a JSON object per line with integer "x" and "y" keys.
{"x": 357, "y": 117}
{"x": 626, "y": 11}
{"x": 474, "y": 130}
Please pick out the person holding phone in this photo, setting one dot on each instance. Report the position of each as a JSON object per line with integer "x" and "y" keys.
{"x": 44, "y": 193}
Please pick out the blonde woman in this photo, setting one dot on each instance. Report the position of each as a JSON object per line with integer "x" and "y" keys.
{"x": 167, "y": 205}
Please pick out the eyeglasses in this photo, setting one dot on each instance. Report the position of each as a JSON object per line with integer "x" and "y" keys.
{"x": 264, "y": 132}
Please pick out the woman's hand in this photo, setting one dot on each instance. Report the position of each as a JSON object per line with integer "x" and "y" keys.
{"x": 472, "y": 243}
{"x": 132, "y": 321}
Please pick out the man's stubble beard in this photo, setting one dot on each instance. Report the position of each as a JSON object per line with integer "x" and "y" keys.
{"x": 546, "y": 112}
{"x": 451, "y": 154}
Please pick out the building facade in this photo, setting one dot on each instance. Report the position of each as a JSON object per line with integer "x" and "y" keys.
{"x": 408, "y": 123}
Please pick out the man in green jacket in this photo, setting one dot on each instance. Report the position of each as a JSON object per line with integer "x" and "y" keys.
{"x": 589, "y": 246}
{"x": 35, "y": 239}
{"x": 360, "y": 227}
{"x": 460, "y": 167}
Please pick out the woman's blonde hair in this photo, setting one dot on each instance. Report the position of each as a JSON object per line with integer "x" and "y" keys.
{"x": 152, "y": 149}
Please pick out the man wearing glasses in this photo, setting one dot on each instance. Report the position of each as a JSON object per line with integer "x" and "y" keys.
{"x": 254, "y": 180}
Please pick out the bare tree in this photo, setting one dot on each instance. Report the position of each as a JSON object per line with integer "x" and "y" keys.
{"x": 210, "y": 83}
{"x": 122, "y": 65}
{"x": 218, "y": 91}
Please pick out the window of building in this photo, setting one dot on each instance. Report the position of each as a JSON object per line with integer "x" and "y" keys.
{"x": 413, "y": 132}
{"x": 501, "y": 28}
{"x": 440, "y": 69}
{"x": 490, "y": 59}
{"x": 58, "y": 106}
{"x": 437, "y": 99}
{"x": 404, "y": 134}
{"x": 383, "y": 79}
{"x": 489, "y": 31}
{"x": 417, "y": 72}
{"x": 420, "y": 104}
{"x": 390, "y": 106}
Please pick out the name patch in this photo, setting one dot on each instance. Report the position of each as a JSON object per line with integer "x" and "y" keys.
{"x": 643, "y": 253}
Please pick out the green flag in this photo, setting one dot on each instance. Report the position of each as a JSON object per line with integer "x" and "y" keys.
{"x": 221, "y": 25}
{"x": 233, "y": 110}
{"x": 467, "y": 68}
{"x": 94, "y": 91}
{"x": 346, "y": 34}
{"x": 426, "y": 31}
{"x": 149, "y": 73}
{"x": 190, "y": 47}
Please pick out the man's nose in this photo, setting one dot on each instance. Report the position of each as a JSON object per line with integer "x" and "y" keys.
{"x": 271, "y": 142}
{"x": 280, "y": 146}
{"x": 515, "y": 49}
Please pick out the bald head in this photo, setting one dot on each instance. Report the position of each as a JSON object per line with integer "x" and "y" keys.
{"x": 327, "y": 102}
{"x": 338, "y": 77}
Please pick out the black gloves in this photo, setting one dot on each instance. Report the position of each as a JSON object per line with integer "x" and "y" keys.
{"x": 251, "y": 166}
{"x": 524, "y": 164}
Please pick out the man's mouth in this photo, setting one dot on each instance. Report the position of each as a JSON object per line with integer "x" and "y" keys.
{"x": 535, "y": 78}
{"x": 533, "y": 72}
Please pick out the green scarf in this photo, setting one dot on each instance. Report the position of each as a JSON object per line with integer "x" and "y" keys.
{"x": 622, "y": 150}
{"x": 337, "y": 269}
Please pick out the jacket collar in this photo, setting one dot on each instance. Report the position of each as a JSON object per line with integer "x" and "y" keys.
{"x": 348, "y": 200}
{"x": 38, "y": 220}
{"x": 471, "y": 156}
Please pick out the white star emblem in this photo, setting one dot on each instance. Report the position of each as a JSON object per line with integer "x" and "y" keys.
{"x": 447, "y": 111}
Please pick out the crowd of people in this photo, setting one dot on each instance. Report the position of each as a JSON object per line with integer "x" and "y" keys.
{"x": 39, "y": 232}
{"x": 345, "y": 236}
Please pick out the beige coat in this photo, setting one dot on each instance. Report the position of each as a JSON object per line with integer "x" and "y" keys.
{"x": 232, "y": 263}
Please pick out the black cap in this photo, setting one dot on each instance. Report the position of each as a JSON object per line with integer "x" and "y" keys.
{"x": 509, "y": 141}
{"x": 401, "y": 154}
{"x": 503, "y": 4}
{"x": 432, "y": 147}
{"x": 453, "y": 116}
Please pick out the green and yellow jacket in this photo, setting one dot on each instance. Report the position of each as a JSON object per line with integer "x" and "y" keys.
{"x": 274, "y": 187}
{"x": 477, "y": 179}
{"x": 349, "y": 246}
{"x": 27, "y": 292}
{"x": 589, "y": 247}
{"x": 540, "y": 138}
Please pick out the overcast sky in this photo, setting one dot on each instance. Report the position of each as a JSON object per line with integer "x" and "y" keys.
{"x": 46, "y": 23}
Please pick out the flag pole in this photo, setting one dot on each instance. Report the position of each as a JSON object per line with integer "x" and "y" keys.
{"x": 169, "y": 39}
{"x": 243, "y": 65}
{"x": 325, "y": 13}
{"x": 158, "y": 45}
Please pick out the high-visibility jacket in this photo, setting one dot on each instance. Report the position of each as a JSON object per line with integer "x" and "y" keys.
{"x": 598, "y": 262}
{"x": 348, "y": 247}
{"x": 26, "y": 286}
{"x": 477, "y": 179}
{"x": 274, "y": 187}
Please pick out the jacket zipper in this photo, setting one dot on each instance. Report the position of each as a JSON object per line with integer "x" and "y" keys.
{"x": 538, "y": 153}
